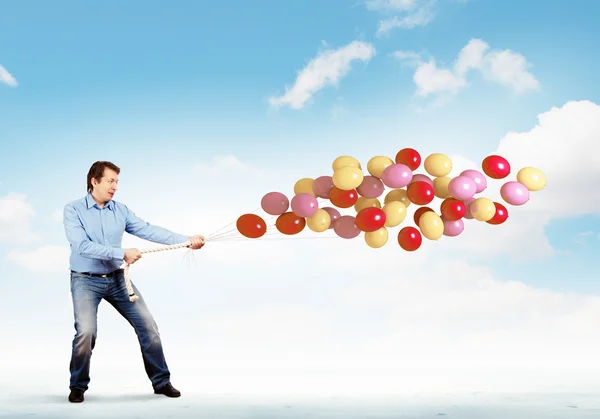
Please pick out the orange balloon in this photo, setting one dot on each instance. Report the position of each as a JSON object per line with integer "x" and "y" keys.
{"x": 290, "y": 223}
{"x": 251, "y": 226}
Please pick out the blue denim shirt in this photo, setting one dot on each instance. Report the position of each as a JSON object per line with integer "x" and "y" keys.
{"x": 95, "y": 234}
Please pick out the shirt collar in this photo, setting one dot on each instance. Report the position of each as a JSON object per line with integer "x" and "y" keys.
{"x": 89, "y": 200}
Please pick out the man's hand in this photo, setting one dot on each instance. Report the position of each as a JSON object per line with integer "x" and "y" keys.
{"x": 196, "y": 242}
{"x": 131, "y": 255}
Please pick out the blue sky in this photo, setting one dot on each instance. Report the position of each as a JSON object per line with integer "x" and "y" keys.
{"x": 164, "y": 90}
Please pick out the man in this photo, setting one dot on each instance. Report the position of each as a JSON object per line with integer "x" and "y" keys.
{"x": 94, "y": 226}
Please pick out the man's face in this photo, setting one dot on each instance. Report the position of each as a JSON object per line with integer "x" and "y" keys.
{"x": 107, "y": 187}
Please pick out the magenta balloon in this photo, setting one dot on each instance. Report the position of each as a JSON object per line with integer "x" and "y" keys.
{"x": 453, "y": 228}
{"x": 304, "y": 205}
{"x": 345, "y": 227}
{"x": 371, "y": 187}
{"x": 322, "y": 186}
{"x": 396, "y": 175}
{"x": 478, "y": 177}
{"x": 462, "y": 187}
{"x": 334, "y": 214}
{"x": 421, "y": 178}
{"x": 274, "y": 203}
{"x": 468, "y": 203}
{"x": 514, "y": 193}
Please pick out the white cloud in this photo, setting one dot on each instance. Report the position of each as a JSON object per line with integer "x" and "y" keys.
{"x": 45, "y": 259}
{"x": 332, "y": 310}
{"x": 15, "y": 219}
{"x": 7, "y": 78}
{"x": 328, "y": 68}
{"x": 506, "y": 67}
{"x": 408, "y": 14}
{"x": 564, "y": 146}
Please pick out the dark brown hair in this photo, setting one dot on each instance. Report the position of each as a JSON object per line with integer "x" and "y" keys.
{"x": 97, "y": 170}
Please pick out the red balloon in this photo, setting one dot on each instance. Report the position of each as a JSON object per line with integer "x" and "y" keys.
{"x": 453, "y": 209}
{"x": 409, "y": 239}
{"x": 496, "y": 167}
{"x": 419, "y": 212}
{"x": 500, "y": 216}
{"x": 420, "y": 193}
{"x": 343, "y": 199}
{"x": 370, "y": 219}
{"x": 409, "y": 157}
{"x": 251, "y": 226}
{"x": 290, "y": 223}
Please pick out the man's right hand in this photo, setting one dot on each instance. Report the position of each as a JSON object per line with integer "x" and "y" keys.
{"x": 131, "y": 255}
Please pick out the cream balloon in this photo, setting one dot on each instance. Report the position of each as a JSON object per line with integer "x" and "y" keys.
{"x": 304, "y": 185}
{"x": 431, "y": 225}
{"x": 438, "y": 165}
{"x": 377, "y": 238}
{"x": 397, "y": 195}
{"x": 482, "y": 209}
{"x": 440, "y": 187}
{"x": 342, "y": 161}
{"x": 363, "y": 203}
{"x": 347, "y": 178}
{"x": 395, "y": 213}
{"x": 532, "y": 178}
{"x": 319, "y": 221}
{"x": 377, "y": 165}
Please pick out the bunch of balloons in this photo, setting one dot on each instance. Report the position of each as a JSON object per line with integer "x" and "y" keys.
{"x": 348, "y": 186}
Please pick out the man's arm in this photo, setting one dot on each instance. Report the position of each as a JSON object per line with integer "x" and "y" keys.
{"x": 80, "y": 242}
{"x": 144, "y": 230}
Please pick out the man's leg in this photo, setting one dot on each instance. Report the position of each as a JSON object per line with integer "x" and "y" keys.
{"x": 139, "y": 316}
{"x": 86, "y": 293}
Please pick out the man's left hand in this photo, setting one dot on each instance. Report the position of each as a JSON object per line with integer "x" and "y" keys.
{"x": 196, "y": 242}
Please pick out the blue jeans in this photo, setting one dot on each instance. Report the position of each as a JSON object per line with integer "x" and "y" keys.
{"x": 87, "y": 291}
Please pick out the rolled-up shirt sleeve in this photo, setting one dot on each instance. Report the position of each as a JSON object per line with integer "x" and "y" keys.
{"x": 81, "y": 243}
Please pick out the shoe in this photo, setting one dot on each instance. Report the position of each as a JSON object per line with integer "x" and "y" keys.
{"x": 76, "y": 395}
{"x": 168, "y": 390}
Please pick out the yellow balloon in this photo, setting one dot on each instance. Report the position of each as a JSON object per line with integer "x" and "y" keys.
{"x": 345, "y": 161}
{"x": 319, "y": 221}
{"x": 304, "y": 185}
{"x": 482, "y": 209}
{"x": 438, "y": 164}
{"x": 363, "y": 203}
{"x": 440, "y": 187}
{"x": 347, "y": 177}
{"x": 397, "y": 195}
{"x": 532, "y": 178}
{"x": 431, "y": 225}
{"x": 395, "y": 213}
{"x": 377, "y": 164}
{"x": 377, "y": 238}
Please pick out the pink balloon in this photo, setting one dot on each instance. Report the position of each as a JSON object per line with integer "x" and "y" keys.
{"x": 334, "y": 214}
{"x": 478, "y": 177}
{"x": 371, "y": 187}
{"x": 462, "y": 187}
{"x": 421, "y": 178}
{"x": 468, "y": 203}
{"x": 397, "y": 175}
{"x": 322, "y": 186}
{"x": 274, "y": 203}
{"x": 514, "y": 193}
{"x": 304, "y": 205}
{"x": 453, "y": 228}
{"x": 345, "y": 227}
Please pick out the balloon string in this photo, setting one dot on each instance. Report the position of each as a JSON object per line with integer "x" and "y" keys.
{"x": 227, "y": 233}
{"x": 214, "y": 233}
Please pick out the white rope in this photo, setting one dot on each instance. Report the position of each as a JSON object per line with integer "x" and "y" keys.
{"x": 125, "y": 266}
